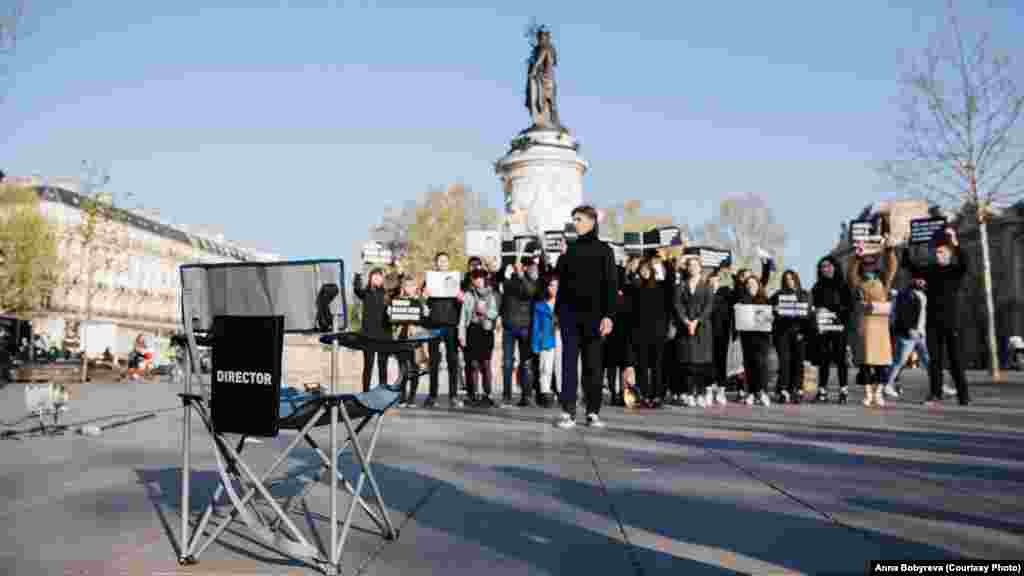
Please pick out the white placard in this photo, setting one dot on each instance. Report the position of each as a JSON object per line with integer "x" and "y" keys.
{"x": 374, "y": 253}
{"x": 483, "y": 243}
{"x": 443, "y": 284}
{"x": 753, "y": 318}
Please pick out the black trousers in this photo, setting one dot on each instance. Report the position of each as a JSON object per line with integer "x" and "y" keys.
{"x": 670, "y": 370}
{"x": 411, "y": 381}
{"x": 720, "y": 356}
{"x": 451, "y": 354}
{"x": 382, "y": 368}
{"x": 755, "y": 365}
{"x": 580, "y": 339}
{"x": 790, "y": 347}
{"x": 871, "y": 375}
{"x": 943, "y": 339}
{"x": 832, "y": 351}
{"x": 694, "y": 377}
{"x": 648, "y": 368}
{"x": 510, "y": 341}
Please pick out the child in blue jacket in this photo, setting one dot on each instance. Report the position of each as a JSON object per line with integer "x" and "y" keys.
{"x": 544, "y": 336}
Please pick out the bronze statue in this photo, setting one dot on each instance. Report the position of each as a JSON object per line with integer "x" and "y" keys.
{"x": 541, "y": 91}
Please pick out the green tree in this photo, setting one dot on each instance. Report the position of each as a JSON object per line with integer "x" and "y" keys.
{"x": 436, "y": 223}
{"x": 962, "y": 146}
{"x": 29, "y": 263}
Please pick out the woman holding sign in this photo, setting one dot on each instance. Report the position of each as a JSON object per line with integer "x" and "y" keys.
{"x": 870, "y": 281}
{"x": 790, "y": 331}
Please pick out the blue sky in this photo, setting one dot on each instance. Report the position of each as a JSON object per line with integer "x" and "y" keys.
{"x": 291, "y": 126}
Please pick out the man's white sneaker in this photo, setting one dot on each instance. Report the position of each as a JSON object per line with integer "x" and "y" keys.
{"x": 565, "y": 421}
{"x": 948, "y": 390}
{"x": 891, "y": 391}
{"x": 765, "y": 400}
{"x": 594, "y": 421}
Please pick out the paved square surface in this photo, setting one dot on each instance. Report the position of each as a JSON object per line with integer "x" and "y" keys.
{"x": 730, "y": 490}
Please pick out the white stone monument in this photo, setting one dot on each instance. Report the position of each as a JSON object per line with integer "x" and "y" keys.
{"x": 542, "y": 173}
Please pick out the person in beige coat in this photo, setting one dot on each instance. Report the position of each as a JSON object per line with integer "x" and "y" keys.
{"x": 870, "y": 278}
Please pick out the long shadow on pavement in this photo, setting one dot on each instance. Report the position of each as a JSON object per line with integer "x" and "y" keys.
{"x": 796, "y": 542}
{"x": 825, "y": 456}
{"x": 509, "y": 531}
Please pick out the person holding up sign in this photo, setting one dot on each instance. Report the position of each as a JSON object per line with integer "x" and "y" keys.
{"x": 943, "y": 278}
{"x": 870, "y": 281}
{"x": 374, "y": 322}
{"x": 444, "y": 316}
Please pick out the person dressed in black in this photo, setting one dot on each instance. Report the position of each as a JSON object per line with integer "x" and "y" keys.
{"x": 375, "y": 322}
{"x": 831, "y": 293}
{"x": 943, "y": 278}
{"x": 757, "y": 348}
{"x": 721, "y": 332}
{"x": 519, "y": 285}
{"x": 444, "y": 318}
{"x": 585, "y": 309}
{"x": 790, "y": 337}
{"x": 650, "y": 316}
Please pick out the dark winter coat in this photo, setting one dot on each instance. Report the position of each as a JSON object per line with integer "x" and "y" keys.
{"x": 943, "y": 286}
{"x": 375, "y": 310}
{"x": 517, "y": 297}
{"x": 833, "y": 293}
{"x": 587, "y": 280}
{"x": 697, "y": 305}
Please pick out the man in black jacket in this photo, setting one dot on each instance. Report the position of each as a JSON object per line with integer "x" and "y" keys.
{"x": 585, "y": 307}
{"x": 942, "y": 312}
{"x": 374, "y": 323}
{"x": 519, "y": 288}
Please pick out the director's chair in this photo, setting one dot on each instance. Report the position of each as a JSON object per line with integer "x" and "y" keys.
{"x": 242, "y": 311}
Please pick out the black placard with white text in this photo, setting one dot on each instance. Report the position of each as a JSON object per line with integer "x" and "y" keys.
{"x": 922, "y": 230}
{"x": 246, "y": 378}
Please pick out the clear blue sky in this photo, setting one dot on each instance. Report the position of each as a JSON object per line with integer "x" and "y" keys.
{"x": 291, "y": 127}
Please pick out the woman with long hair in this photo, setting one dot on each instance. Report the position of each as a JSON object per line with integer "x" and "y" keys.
{"x": 756, "y": 347}
{"x": 650, "y": 324}
{"x": 693, "y": 306}
{"x": 790, "y": 335}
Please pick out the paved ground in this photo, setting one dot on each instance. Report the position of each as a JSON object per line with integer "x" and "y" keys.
{"x": 734, "y": 490}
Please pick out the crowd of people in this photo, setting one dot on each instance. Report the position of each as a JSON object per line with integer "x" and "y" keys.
{"x": 657, "y": 330}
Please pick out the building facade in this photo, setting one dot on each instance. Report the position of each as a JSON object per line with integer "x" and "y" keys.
{"x": 138, "y": 287}
{"x": 1006, "y": 249}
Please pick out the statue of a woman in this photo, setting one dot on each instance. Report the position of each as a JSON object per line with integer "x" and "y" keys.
{"x": 540, "y": 83}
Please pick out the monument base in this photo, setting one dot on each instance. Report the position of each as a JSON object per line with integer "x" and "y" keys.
{"x": 542, "y": 177}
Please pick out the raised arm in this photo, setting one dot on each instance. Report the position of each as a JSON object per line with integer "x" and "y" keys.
{"x": 853, "y": 278}
{"x": 892, "y": 264}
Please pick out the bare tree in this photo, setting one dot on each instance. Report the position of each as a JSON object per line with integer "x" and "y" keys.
{"x": 94, "y": 247}
{"x": 961, "y": 147}
{"x": 744, "y": 225}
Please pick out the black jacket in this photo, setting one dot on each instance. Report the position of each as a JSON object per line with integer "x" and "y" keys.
{"x": 833, "y": 293}
{"x": 722, "y": 314}
{"x": 788, "y": 325}
{"x": 517, "y": 296}
{"x": 375, "y": 309}
{"x": 650, "y": 313}
{"x": 588, "y": 279}
{"x": 943, "y": 284}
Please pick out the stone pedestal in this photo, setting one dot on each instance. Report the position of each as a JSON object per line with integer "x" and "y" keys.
{"x": 542, "y": 178}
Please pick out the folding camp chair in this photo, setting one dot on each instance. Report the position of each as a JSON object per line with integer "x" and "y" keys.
{"x": 298, "y": 297}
